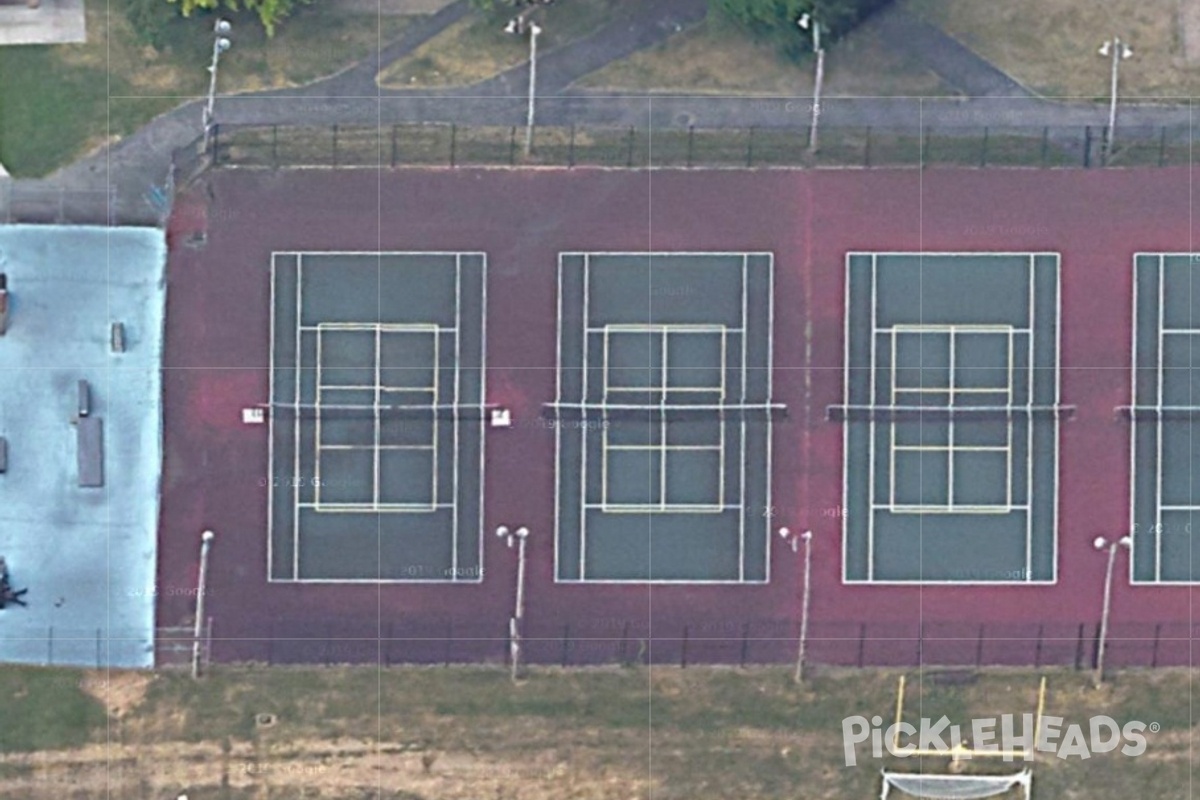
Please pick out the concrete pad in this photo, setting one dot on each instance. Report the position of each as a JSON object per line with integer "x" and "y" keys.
{"x": 86, "y": 554}
{"x": 53, "y": 22}
{"x": 1189, "y": 30}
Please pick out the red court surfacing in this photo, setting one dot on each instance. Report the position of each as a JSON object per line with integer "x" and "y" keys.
{"x": 218, "y": 339}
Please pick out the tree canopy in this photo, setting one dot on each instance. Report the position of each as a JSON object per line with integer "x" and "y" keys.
{"x": 776, "y": 19}
{"x": 270, "y": 12}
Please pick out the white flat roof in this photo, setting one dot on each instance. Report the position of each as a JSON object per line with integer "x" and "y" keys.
{"x": 86, "y": 555}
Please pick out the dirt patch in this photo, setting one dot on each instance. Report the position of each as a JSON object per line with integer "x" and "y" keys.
{"x": 120, "y": 692}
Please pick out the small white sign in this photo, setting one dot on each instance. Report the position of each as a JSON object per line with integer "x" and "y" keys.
{"x": 253, "y": 416}
{"x": 501, "y": 418}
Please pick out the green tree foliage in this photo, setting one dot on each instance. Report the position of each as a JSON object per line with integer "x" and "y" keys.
{"x": 269, "y": 12}
{"x": 776, "y": 19}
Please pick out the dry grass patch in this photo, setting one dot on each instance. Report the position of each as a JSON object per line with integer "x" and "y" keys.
{"x": 1050, "y": 45}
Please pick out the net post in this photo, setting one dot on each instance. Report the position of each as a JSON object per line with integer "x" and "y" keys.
{"x": 629, "y": 154}
{"x": 683, "y": 653}
{"x": 691, "y": 142}
{"x": 1037, "y": 649}
{"x": 449, "y": 643}
{"x": 571, "y": 148}
{"x": 745, "y": 643}
{"x": 1087, "y": 146}
{"x": 1154, "y": 647}
{"x": 979, "y": 646}
{"x": 453, "y": 143}
{"x": 862, "y": 644}
{"x": 566, "y": 645}
{"x": 512, "y": 146}
{"x": 622, "y": 650}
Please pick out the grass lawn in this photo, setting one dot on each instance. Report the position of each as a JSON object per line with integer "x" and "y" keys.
{"x": 1050, "y": 45}
{"x": 717, "y": 57}
{"x": 59, "y": 102}
{"x": 477, "y": 47}
{"x": 585, "y": 734}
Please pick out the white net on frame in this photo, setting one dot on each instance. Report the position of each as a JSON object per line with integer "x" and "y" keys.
{"x": 955, "y": 787}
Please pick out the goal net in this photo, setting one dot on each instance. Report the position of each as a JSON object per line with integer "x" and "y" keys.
{"x": 955, "y": 787}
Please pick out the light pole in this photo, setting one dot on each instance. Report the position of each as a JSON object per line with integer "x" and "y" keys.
{"x": 806, "y": 594}
{"x": 201, "y": 585}
{"x": 1101, "y": 544}
{"x": 809, "y": 22}
{"x": 220, "y": 45}
{"x": 514, "y": 623}
{"x": 1119, "y": 51}
{"x": 517, "y": 26}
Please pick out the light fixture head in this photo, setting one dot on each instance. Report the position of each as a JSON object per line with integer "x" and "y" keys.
{"x": 223, "y": 44}
{"x": 805, "y": 20}
{"x": 1126, "y": 541}
{"x": 784, "y": 532}
{"x": 207, "y": 536}
{"x": 502, "y": 531}
{"x": 807, "y": 535}
{"x": 1099, "y": 543}
{"x": 223, "y": 26}
{"x": 522, "y": 532}
{"x": 1126, "y": 52}
{"x": 1105, "y": 48}
{"x": 535, "y": 29}
{"x": 511, "y": 27}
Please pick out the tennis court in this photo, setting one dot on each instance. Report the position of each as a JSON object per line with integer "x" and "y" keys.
{"x": 1166, "y": 397}
{"x": 376, "y": 416}
{"x": 952, "y": 417}
{"x": 663, "y": 417}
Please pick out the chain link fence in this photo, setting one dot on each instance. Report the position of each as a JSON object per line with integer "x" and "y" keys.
{"x": 449, "y": 145}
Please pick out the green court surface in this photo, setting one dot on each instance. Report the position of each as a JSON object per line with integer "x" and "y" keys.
{"x": 952, "y": 416}
{"x": 1166, "y": 436}
{"x": 376, "y": 414}
{"x": 663, "y": 417}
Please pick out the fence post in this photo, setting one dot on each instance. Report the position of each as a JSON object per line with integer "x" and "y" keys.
{"x": 571, "y": 148}
{"x": 1105, "y": 146}
{"x": 750, "y": 149}
{"x": 983, "y": 150}
{"x": 566, "y": 645}
{"x": 335, "y": 144}
{"x": 1162, "y": 147}
{"x": 683, "y": 654}
{"x": 1037, "y": 649}
{"x": 629, "y": 155}
{"x": 1157, "y": 635}
{"x": 745, "y": 642}
{"x": 453, "y": 143}
{"x": 867, "y": 149}
{"x": 394, "y": 132}
{"x": 275, "y": 147}
{"x": 1087, "y": 146}
{"x": 979, "y": 648}
{"x": 1045, "y": 144}
{"x": 691, "y": 143}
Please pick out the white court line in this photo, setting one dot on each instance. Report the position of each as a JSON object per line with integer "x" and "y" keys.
{"x": 871, "y": 504}
{"x": 770, "y": 396}
{"x": 1158, "y": 429}
{"x": 377, "y": 423}
{"x": 745, "y": 370}
{"x": 559, "y": 472}
{"x": 1055, "y": 422}
{"x": 1135, "y": 400}
{"x": 949, "y": 424}
{"x": 1031, "y": 351}
{"x": 271, "y": 427}
{"x": 583, "y": 437}
{"x": 457, "y": 400}
{"x": 297, "y": 442}
{"x": 483, "y": 334}
{"x": 317, "y": 423}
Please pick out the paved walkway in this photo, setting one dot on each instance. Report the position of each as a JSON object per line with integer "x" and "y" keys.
{"x": 948, "y": 58}
{"x": 125, "y": 183}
